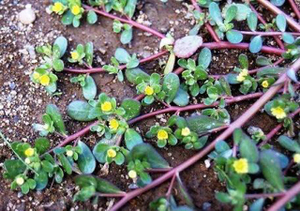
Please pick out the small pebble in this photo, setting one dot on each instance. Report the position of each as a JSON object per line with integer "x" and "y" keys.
{"x": 27, "y": 16}
{"x": 206, "y": 206}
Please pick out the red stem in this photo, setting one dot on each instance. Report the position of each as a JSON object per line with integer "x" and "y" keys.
{"x": 263, "y": 195}
{"x": 194, "y": 107}
{"x": 128, "y": 21}
{"x": 168, "y": 194}
{"x": 228, "y": 45}
{"x": 262, "y": 20}
{"x": 277, "y": 11}
{"x": 113, "y": 195}
{"x": 295, "y": 8}
{"x": 100, "y": 69}
{"x": 289, "y": 195}
{"x": 207, "y": 25}
{"x": 268, "y": 33}
{"x": 236, "y": 124}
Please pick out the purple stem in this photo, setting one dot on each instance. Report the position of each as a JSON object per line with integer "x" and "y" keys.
{"x": 113, "y": 195}
{"x": 263, "y": 195}
{"x": 262, "y": 20}
{"x": 128, "y": 21}
{"x": 277, "y": 11}
{"x": 236, "y": 124}
{"x": 168, "y": 194}
{"x": 268, "y": 33}
{"x": 295, "y": 8}
{"x": 162, "y": 170}
{"x": 289, "y": 195}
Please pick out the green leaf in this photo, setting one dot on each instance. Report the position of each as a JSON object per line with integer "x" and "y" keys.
{"x": 58, "y": 65}
{"x": 85, "y": 193}
{"x": 270, "y": 72}
{"x": 248, "y": 149}
{"x": 136, "y": 75}
{"x": 181, "y": 98}
{"x": 41, "y": 145}
{"x": 278, "y": 3}
{"x": 243, "y": 59}
{"x": 126, "y": 36}
{"x": 99, "y": 152}
{"x": 289, "y": 144}
{"x": 215, "y": 13}
{"x": 133, "y": 62}
{"x": 67, "y": 18}
{"x": 202, "y": 124}
{"x": 56, "y": 117}
{"x": 252, "y": 21}
{"x": 47, "y": 166}
{"x": 92, "y": 17}
{"x": 170, "y": 64}
{"x": 271, "y": 169}
{"x": 86, "y": 161}
{"x": 65, "y": 163}
{"x": 281, "y": 22}
{"x": 234, "y": 36}
{"x": 122, "y": 55}
{"x": 132, "y": 138}
{"x": 79, "y": 110}
{"x": 204, "y": 58}
{"x": 13, "y": 168}
{"x": 263, "y": 61}
{"x": 223, "y": 197}
{"x": 41, "y": 180}
{"x": 257, "y": 205}
{"x": 90, "y": 88}
{"x": 132, "y": 108}
{"x": 288, "y": 38}
{"x": 89, "y": 53}
{"x": 170, "y": 86}
{"x": 230, "y": 13}
{"x": 222, "y": 146}
{"x": 62, "y": 43}
{"x": 130, "y": 7}
{"x": 255, "y": 44}
{"x": 146, "y": 151}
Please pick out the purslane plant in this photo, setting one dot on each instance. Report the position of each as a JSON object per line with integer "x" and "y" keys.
{"x": 233, "y": 166}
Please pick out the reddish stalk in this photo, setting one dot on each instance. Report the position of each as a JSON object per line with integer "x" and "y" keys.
{"x": 168, "y": 194}
{"x": 295, "y": 8}
{"x": 277, "y": 11}
{"x": 262, "y": 20}
{"x": 276, "y": 129}
{"x": 263, "y": 195}
{"x": 128, "y": 21}
{"x": 207, "y": 25}
{"x": 268, "y": 33}
{"x": 159, "y": 170}
{"x": 243, "y": 46}
{"x": 194, "y": 107}
{"x": 100, "y": 69}
{"x": 289, "y": 195}
{"x": 236, "y": 124}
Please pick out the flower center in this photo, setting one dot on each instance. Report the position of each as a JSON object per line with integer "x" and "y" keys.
{"x": 149, "y": 90}
{"x": 106, "y": 106}
{"x": 265, "y": 84}
{"x": 29, "y": 152}
{"x": 113, "y": 124}
{"x": 241, "y": 166}
{"x": 297, "y": 158}
{"x": 75, "y": 55}
{"x": 45, "y": 80}
{"x": 162, "y": 135}
{"x": 57, "y": 7}
{"x": 76, "y": 10}
{"x": 132, "y": 174}
{"x": 185, "y": 131}
{"x": 111, "y": 153}
{"x": 278, "y": 112}
{"x": 69, "y": 153}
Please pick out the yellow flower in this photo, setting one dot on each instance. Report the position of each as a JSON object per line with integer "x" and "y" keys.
{"x": 44, "y": 80}
{"x": 75, "y": 55}
{"x": 241, "y": 166}
{"x": 76, "y": 10}
{"x": 185, "y": 131}
{"x": 132, "y": 174}
{"x": 242, "y": 75}
{"x": 265, "y": 84}
{"x": 36, "y": 75}
{"x": 111, "y": 153}
{"x": 113, "y": 124}
{"x": 297, "y": 158}
{"x": 149, "y": 90}
{"x": 162, "y": 135}
{"x": 69, "y": 153}
{"x": 20, "y": 180}
{"x": 278, "y": 112}
{"x": 106, "y": 106}
{"x": 29, "y": 152}
{"x": 57, "y": 7}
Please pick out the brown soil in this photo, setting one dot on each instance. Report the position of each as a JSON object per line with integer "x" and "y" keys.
{"x": 22, "y": 103}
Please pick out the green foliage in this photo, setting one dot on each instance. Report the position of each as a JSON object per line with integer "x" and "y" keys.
{"x": 89, "y": 88}
{"x": 125, "y": 30}
{"x": 83, "y": 54}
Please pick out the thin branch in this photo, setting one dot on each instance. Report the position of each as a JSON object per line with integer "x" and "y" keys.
{"x": 268, "y": 33}
{"x": 295, "y": 8}
{"x": 263, "y": 195}
{"x": 277, "y": 11}
{"x": 168, "y": 194}
{"x": 131, "y": 22}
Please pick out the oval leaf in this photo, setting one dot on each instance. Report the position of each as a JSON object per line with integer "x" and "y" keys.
{"x": 234, "y": 36}
{"x": 62, "y": 43}
{"x": 56, "y": 117}
{"x": 79, "y": 110}
{"x": 132, "y": 108}
{"x": 255, "y": 44}
{"x": 170, "y": 85}
{"x": 86, "y": 161}
{"x": 90, "y": 88}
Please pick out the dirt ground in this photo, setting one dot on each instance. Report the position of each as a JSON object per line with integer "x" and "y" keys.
{"x": 22, "y": 103}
